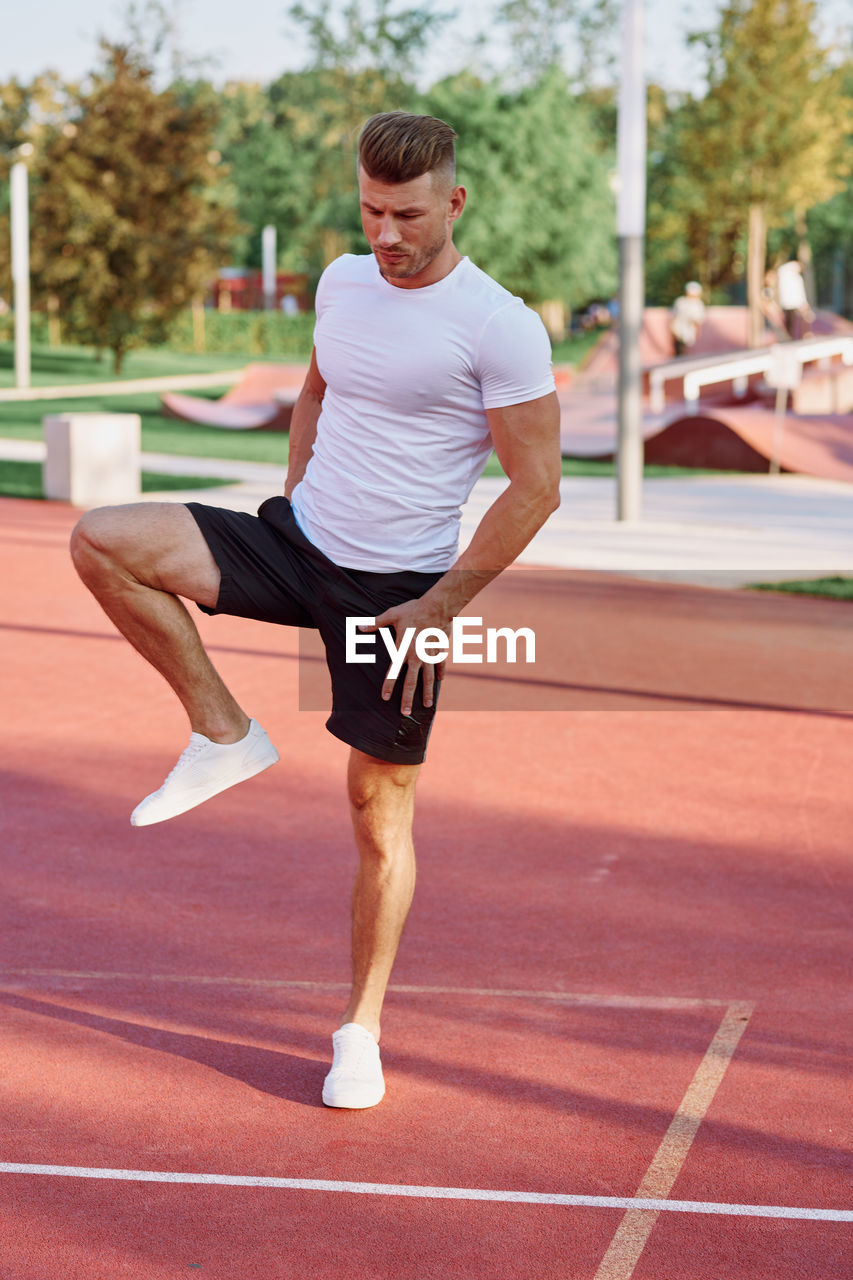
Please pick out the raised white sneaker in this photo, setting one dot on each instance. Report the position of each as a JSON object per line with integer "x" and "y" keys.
{"x": 355, "y": 1080}
{"x": 203, "y": 770}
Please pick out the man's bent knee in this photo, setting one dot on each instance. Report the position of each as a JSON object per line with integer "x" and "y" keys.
{"x": 157, "y": 545}
{"x": 374, "y": 783}
{"x": 90, "y": 538}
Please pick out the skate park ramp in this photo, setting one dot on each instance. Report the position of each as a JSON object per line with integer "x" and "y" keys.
{"x": 730, "y": 438}
{"x": 727, "y": 432}
{"x": 725, "y": 330}
{"x": 263, "y": 399}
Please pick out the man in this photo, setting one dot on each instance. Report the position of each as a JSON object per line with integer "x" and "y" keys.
{"x": 686, "y": 318}
{"x": 422, "y": 365}
{"x": 793, "y": 300}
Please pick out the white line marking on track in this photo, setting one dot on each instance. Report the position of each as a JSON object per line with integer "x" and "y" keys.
{"x": 599, "y": 1000}
{"x": 433, "y": 1193}
{"x": 642, "y": 1209}
{"x": 635, "y": 1228}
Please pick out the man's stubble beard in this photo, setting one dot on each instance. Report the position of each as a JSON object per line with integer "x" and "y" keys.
{"x": 412, "y": 267}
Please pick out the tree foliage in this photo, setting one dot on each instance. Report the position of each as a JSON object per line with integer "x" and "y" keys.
{"x": 540, "y": 217}
{"x": 774, "y": 115}
{"x": 29, "y": 112}
{"x": 546, "y": 34}
{"x": 132, "y": 213}
{"x": 292, "y": 147}
{"x": 128, "y": 228}
{"x": 768, "y": 136}
{"x": 368, "y": 35}
{"x": 830, "y": 223}
{"x": 692, "y": 233}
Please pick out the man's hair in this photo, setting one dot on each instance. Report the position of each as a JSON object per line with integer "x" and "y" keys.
{"x": 398, "y": 147}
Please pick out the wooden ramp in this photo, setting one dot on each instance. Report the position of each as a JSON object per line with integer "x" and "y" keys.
{"x": 262, "y": 400}
{"x": 726, "y": 433}
{"x": 722, "y": 437}
{"x": 741, "y": 438}
{"x": 725, "y": 330}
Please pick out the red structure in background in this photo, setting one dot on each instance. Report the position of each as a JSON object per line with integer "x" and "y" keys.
{"x": 240, "y": 290}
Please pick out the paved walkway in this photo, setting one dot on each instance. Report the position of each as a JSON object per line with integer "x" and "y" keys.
{"x": 124, "y": 386}
{"x": 718, "y": 530}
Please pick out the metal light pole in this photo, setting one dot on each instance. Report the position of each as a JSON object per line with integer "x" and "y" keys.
{"x": 268, "y": 251}
{"x": 21, "y": 271}
{"x": 631, "y": 228}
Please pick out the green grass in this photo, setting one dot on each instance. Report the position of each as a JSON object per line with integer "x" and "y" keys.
{"x": 24, "y": 480}
{"x": 22, "y": 419}
{"x": 65, "y": 366}
{"x": 572, "y": 350}
{"x": 834, "y": 588}
{"x": 571, "y": 467}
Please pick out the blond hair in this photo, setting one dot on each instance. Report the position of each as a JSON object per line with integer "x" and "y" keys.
{"x": 398, "y": 147}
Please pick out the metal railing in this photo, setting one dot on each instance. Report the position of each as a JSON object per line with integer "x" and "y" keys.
{"x": 738, "y": 366}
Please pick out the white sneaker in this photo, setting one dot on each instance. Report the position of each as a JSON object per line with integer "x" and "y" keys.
{"x": 355, "y": 1080}
{"x": 204, "y": 769}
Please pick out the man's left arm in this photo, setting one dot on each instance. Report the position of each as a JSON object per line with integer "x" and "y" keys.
{"x": 526, "y": 438}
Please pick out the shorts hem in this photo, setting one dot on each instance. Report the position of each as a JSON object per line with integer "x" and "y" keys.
{"x": 390, "y": 755}
{"x": 221, "y": 605}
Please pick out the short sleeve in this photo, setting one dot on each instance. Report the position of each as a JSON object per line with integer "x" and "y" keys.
{"x": 334, "y": 275}
{"x": 514, "y": 357}
{"x": 323, "y": 285}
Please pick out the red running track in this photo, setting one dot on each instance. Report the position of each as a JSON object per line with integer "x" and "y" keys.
{"x": 621, "y": 1008}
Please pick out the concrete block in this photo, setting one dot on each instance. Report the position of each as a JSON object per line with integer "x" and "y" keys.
{"x": 92, "y": 458}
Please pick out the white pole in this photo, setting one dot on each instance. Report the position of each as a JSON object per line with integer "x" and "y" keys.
{"x": 21, "y": 271}
{"x": 631, "y": 228}
{"x": 268, "y": 257}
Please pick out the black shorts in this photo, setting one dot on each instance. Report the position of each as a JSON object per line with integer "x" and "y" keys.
{"x": 271, "y": 572}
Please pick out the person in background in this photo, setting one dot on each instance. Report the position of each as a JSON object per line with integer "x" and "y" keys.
{"x": 792, "y": 299}
{"x": 686, "y": 318}
{"x": 770, "y": 308}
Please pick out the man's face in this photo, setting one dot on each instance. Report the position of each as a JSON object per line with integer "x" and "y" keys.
{"x": 408, "y": 224}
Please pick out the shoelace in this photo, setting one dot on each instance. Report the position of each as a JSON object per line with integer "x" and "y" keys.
{"x": 189, "y": 753}
{"x": 349, "y": 1055}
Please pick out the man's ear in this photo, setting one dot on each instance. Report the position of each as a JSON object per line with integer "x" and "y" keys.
{"x": 458, "y": 197}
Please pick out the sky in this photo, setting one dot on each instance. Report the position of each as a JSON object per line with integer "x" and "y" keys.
{"x": 251, "y": 41}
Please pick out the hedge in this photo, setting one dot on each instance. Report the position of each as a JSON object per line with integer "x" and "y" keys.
{"x": 248, "y": 333}
{"x": 241, "y": 333}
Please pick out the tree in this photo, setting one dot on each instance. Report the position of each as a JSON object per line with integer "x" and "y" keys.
{"x": 694, "y": 228}
{"x": 770, "y": 133}
{"x": 542, "y": 32}
{"x": 131, "y": 225}
{"x": 830, "y": 227}
{"x": 373, "y": 36}
{"x": 28, "y": 114}
{"x": 541, "y": 217}
{"x": 292, "y": 147}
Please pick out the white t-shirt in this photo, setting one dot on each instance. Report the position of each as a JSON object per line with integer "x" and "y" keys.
{"x": 790, "y": 287}
{"x": 688, "y": 313}
{"x": 403, "y": 435}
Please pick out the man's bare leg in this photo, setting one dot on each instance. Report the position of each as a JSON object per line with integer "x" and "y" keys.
{"x": 382, "y": 800}
{"x": 136, "y": 561}
{"x": 382, "y": 806}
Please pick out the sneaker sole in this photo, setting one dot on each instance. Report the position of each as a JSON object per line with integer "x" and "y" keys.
{"x": 355, "y": 1102}
{"x": 140, "y": 818}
